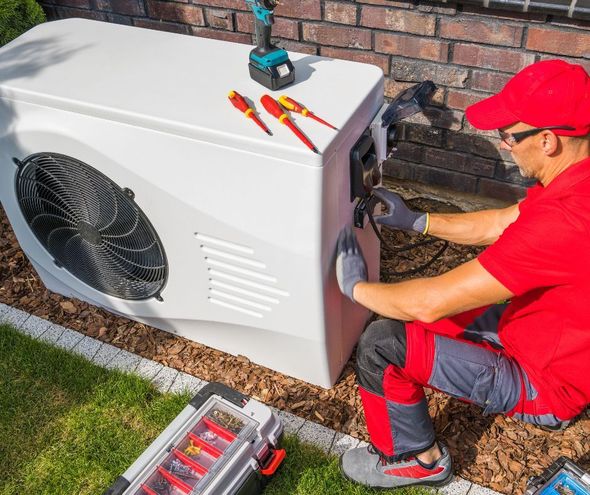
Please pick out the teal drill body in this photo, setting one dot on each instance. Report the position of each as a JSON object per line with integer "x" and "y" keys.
{"x": 269, "y": 65}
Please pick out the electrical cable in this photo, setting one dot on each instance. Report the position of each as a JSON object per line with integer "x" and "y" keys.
{"x": 408, "y": 247}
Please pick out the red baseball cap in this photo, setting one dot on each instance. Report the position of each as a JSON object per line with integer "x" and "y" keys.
{"x": 548, "y": 93}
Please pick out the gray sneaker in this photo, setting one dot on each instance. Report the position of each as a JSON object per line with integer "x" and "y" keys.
{"x": 366, "y": 466}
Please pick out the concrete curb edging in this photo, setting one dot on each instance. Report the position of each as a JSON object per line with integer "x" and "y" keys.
{"x": 170, "y": 380}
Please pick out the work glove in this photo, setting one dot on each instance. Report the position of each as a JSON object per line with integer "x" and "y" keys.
{"x": 350, "y": 264}
{"x": 398, "y": 215}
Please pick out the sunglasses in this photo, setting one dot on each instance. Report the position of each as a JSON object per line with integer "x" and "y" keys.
{"x": 511, "y": 139}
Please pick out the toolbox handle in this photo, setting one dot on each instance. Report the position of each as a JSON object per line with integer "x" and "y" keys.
{"x": 277, "y": 457}
{"x": 216, "y": 388}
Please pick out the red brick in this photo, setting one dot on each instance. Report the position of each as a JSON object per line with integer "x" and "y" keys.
{"x": 572, "y": 43}
{"x": 294, "y": 46}
{"x": 412, "y": 46}
{"x": 398, "y": 20}
{"x": 469, "y": 129}
{"x": 462, "y": 99}
{"x": 221, "y": 35}
{"x": 301, "y": 9}
{"x": 470, "y": 29}
{"x": 337, "y": 36}
{"x": 161, "y": 26}
{"x": 461, "y": 162}
{"x": 394, "y": 88}
{"x": 169, "y": 11}
{"x": 220, "y": 19}
{"x": 283, "y": 28}
{"x": 224, "y": 4}
{"x": 399, "y": 169}
{"x": 443, "y": 118}
{"x": 446, "y": 178}
{"x": 80, "y": 4}
{"x": 66, "y": 13}
{"x": 485, "y": 146}
{"x": 500, "y": 190}
{"x": 125, "y": 7}
{"x": 398, "y": 4}
{"x": 437, "y": 8}
{"x": 491, "y": 58}
{"x": 423, "y": 134}
{"x": 343, "y": 13}
{"x": 416, "y": 71}
{"x": 492, "y": 82}
{"x": 364, "y": 57}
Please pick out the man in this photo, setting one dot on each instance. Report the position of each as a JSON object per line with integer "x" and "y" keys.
{"x": 528, "y": 358}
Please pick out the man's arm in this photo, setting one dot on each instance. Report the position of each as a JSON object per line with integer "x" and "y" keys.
{"x": 480, "y": 228}
{"x": 468, "y": 286}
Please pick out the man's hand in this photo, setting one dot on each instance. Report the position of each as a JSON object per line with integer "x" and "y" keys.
{"x": 398, "y": 215}
{"x": 350, "y": 264}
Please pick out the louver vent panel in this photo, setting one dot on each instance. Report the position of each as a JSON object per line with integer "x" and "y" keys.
{"x": 91, "y": 227}
{"x": 238, "y": 281}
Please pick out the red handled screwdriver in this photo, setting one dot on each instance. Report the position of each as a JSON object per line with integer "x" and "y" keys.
{"x": 293, "y": 106}
{"x": 275, "y": 109}
{"x": 238, "y": 101}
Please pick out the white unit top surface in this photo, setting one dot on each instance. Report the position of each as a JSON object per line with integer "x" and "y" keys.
{"x": 179, "y": 84}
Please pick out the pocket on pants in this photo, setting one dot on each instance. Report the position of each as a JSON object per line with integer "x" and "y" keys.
{"x": 464, "y": 371}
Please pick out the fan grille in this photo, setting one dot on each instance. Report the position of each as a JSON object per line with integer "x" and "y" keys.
{"x": 91, "y": 226}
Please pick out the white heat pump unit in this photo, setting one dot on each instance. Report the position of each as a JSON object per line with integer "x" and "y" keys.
{"x": 132, "y": 183}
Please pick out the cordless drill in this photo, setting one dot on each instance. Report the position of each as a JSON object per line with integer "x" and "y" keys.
{"x": 269, "y": 65}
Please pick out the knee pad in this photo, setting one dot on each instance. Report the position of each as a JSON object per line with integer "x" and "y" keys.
{"x": 383, "y": 343}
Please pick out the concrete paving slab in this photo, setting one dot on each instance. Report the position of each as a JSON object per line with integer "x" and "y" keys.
{"x": 148, "y": 369}
{"x": 3, "y": 308}
{"x": 52, "y": 334}
{"x": 87, "y": 347}
{"x": 68, "y": 339}
{"x": 459, "y": 486}
{"x": 35, "y": 326}
{"x": 318, "y": 435}
{"x": 480, "y": 490}
{"x": 14, "y": 317}
{"x": 105, "y": 355}
{"x": 186, "y": 383}
{"x": 165, "y": 378}
{"x": 292, "y": 424}
{"x": 342, "y": 443}
{"x": 125, "y": 361}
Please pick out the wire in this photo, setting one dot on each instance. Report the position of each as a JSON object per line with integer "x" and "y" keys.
{"x": 408, "y": 247}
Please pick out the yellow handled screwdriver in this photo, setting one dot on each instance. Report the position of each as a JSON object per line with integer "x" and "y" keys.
{"x": 293, "y": 106}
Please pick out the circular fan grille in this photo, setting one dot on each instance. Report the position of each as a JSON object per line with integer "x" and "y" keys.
{"x": 91, "y": 226}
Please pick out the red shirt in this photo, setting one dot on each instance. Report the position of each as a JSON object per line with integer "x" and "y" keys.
{"x": 543, "y": 258}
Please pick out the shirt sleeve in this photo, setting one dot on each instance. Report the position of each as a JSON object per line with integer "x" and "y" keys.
{"x": 537, "y": 250}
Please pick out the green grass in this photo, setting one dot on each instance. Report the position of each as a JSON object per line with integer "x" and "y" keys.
{"x": 70, "y": 427}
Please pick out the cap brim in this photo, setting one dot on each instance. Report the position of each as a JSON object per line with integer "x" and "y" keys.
{"x": 490, "y": 113}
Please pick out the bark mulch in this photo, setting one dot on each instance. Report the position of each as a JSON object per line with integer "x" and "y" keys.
{"x": 493, "y": 451}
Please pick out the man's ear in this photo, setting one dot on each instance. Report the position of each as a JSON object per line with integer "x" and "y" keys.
{"x": 549, "y": 143}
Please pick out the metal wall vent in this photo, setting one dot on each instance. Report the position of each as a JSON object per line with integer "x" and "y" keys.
{"x": 576, "y": 9}
{"x": 90, "y": 226}
{"x": 236, "y": 280}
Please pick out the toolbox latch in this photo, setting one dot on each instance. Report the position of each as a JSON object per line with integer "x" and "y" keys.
{"x": 275, "y": 460}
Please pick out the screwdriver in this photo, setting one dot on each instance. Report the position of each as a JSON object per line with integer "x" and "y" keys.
{"x": 238, "y": 101}
{"x": 275, "y": 109}
{"x": 293, "y": 106}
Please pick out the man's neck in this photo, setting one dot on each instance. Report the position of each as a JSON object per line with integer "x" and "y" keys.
{"x": 558, "y": 165}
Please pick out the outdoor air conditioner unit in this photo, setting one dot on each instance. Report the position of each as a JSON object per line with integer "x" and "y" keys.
{"x": 132, "y": 183}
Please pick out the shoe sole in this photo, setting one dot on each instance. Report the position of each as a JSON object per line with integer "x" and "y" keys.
{"x": 435, "y": 484}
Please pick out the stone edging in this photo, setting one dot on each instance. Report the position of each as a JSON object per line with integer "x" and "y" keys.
{"x": 170, "y": 380}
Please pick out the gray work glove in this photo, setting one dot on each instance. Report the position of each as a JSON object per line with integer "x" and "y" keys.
{"x": 398, "y": 215}
{"x": 350, "y": 264}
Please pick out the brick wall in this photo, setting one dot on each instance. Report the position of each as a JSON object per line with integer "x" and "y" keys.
{"x": 468, "y": 51}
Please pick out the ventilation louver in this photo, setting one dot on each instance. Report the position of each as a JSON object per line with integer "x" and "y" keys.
{"x": 90, "y": 226}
